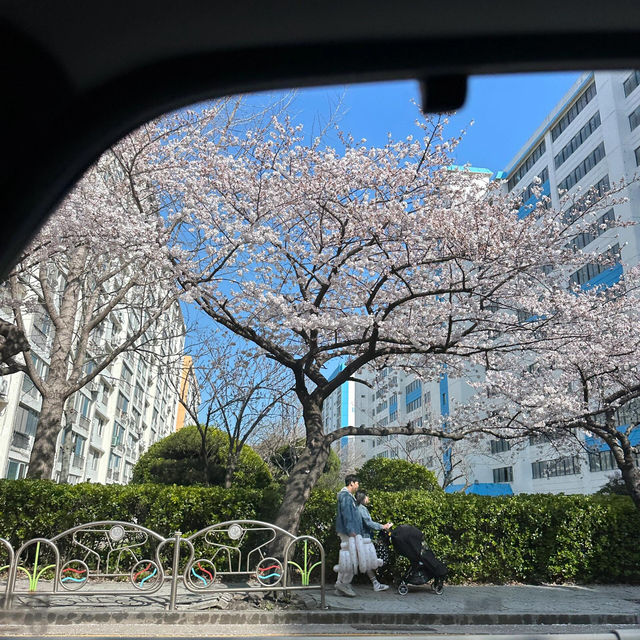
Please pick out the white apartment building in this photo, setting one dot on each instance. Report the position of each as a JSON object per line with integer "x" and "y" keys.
{"x": 110, "y": 422}
{"x": 591, "y": 138}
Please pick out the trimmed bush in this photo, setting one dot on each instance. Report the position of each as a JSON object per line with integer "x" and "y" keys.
{"x": 386, "y": 474}
{"x": 176, "y": 460}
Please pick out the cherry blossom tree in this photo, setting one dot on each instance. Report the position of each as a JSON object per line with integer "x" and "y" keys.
{"x": 104, "y": 253}
{"x": 584, "y": 378}
{"x": 357, "y": 254}
{"x": 98, "y": 259}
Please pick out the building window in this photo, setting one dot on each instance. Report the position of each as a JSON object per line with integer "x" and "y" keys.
{"x": 631, "y": 83}
{"x": 543, "y": 177}
{"x": 498, "y": 446}
{"x": 127, "y": 374}
{"x": 415, "y": 385}
{"x": 94, "y": 459}
{"x": 26, "y": 421}
{"x": 593, "y": 269}
{"x": 78, "y": 451}
{"x": 637, "y": 152}
{"x": 604, "y": 461}
{"x": 414, "y": 404}
{"x": 629, "y": 413}
{"x": 583, "y": 168}
{"x": 531, "y": 159}
{"x": 381, "y": 406}
{"x": 118, "y": 435}
{"x": 20, "y": 441}
{"x": 123, "y": 403}
{"x": 570, "y": 115}
{"x": 16, "y": 470}
{"x": 634, "y": 118}
{"x": 566, "y": 466}
{"x": 42, "y": 369}
{"x": 114, "y": 462}
{"x": 574, "y": 212}
{"x": 83, "y": 405}
{"x": 503, "y": 474}
{"x": 577, "y": 140}
{"x": 603, "y": 223}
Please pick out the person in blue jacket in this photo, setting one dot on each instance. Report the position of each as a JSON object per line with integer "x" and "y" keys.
{"x": 348, "y": 526}
{"x": 368, "y": 527}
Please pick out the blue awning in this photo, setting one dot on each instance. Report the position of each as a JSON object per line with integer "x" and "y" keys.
{"x": 483, "y": 489}
{"x": 595, "y": 444}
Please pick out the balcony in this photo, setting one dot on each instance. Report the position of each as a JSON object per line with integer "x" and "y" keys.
{"x": 117, "y": 448}
{"x": 29, "y": 389}
{"x": 113, "y": 474}
{"x": 97, "y": 439}
{"x": 20, "y": 441}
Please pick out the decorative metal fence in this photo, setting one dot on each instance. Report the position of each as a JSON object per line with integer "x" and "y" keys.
{"x": 123, "y": 558}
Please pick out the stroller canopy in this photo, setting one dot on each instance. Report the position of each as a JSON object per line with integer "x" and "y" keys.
{"x": 407, "y": 541}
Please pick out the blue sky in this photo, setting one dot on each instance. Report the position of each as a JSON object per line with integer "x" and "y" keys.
{"x": 505, "y": 110}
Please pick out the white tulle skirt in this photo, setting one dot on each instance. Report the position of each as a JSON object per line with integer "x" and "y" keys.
{"x": 357, "y": 554}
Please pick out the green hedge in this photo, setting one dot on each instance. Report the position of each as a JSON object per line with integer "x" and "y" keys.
{"x": 33, "y": 508}
{"x": 525, "y": 538}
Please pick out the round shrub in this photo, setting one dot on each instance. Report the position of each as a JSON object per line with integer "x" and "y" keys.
{"x": 384, "y": 474}
{"x": 176, "y": 459}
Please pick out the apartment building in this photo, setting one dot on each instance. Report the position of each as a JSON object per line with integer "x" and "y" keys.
{"x": 109, "y": 423}
{"x": 590, "y": 139}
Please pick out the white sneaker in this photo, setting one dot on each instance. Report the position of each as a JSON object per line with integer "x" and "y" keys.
{"x": 378, "y": 586}
{"x": 345, "y": 589}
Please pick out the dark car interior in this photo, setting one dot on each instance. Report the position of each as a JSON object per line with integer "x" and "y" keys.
{"x": 77, "y": 75}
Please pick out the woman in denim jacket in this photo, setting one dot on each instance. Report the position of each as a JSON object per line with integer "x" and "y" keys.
{"x": 369, "y": 561}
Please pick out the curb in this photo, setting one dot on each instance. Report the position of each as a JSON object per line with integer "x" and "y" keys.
{"x": 22, "y": 617}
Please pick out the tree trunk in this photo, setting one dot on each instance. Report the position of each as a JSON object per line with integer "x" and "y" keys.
{"x": 204, "y": 457}
{"x": 306, "y": 471}
{"x": 232, "y": 465}
{"x": 631, "y": 477}
{"x": 232, "y": 461}
{"x": 623, "y": 454}
{"x": 65, "y": 461}
{"x": 43, "y": 452}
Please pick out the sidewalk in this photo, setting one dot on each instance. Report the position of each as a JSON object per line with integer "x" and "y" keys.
{"x": 458, "y": 605}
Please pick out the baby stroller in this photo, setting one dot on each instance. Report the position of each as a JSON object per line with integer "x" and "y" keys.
{"x": 408, "y": 541}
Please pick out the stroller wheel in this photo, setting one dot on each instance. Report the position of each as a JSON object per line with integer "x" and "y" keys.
{"x": 438, "y": 587}
{"x": 403, "y": 589}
